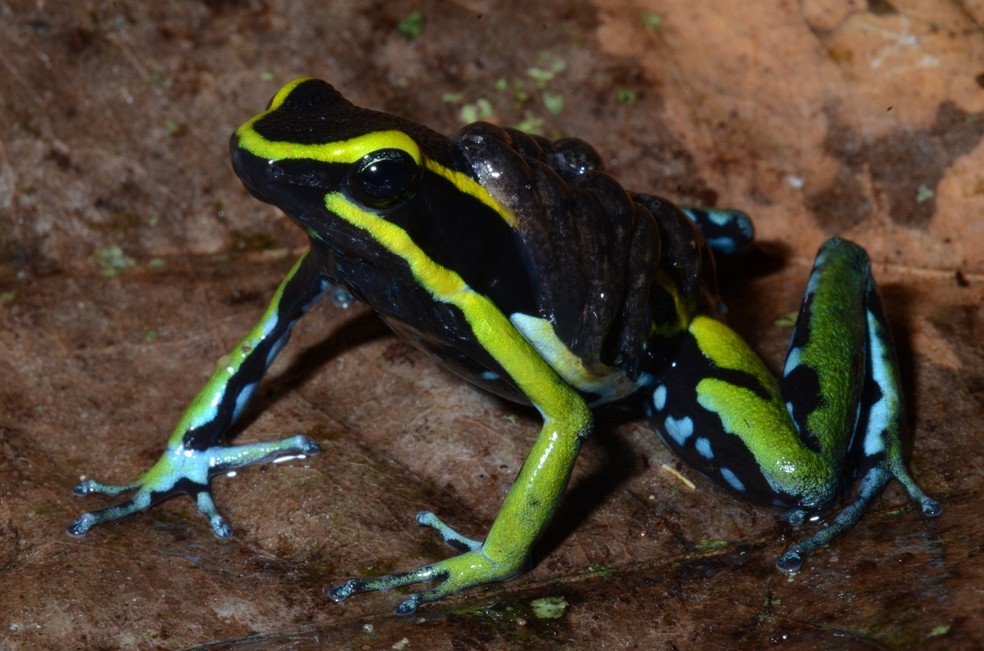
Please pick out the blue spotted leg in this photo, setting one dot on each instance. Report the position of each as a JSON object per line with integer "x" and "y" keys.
{"x": 836, "y": 412}
{"x": 727, "y": 232}
{"x": 195, "y": 452}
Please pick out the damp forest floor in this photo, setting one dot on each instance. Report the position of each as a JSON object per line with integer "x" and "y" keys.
{"x": 131, "y": 259}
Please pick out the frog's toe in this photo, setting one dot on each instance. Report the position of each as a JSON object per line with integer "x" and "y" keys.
{"x": 790, "y": 562}
{"x": 93, "y": 487}
{"x": 930, "y": 507}
{"x": 449, "y": 535}
{"x": 409, "y": 605}
{"x": 206, "y": 505}
{"x": 89, "y": 519}
{"x": 434, "y": 572}
{"x": 142, "y": 501}
{"x": 82, "y": 525}
{"x": 351, "y": 587}
{"x": 221, "y": 458}
{"x": 454, "y": 574}
{"x": 343, "y": 591}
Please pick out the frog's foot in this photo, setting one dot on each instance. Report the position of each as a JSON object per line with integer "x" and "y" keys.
{"x": 474, "y": 567}
{"x": 187, "y": 471}
{"x": 871, "y": 486}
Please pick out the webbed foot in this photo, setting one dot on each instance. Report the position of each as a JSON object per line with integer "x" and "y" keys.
{"x": 182, "y": 470}
{"x": 474, "y": 567}
{"x": 870, "y": 487}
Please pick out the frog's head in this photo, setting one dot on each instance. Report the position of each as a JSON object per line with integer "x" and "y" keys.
{"x": 311, "y": 149}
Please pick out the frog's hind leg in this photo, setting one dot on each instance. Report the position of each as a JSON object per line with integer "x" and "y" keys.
{"x": 727, "y": 231}
{"x": 841, "y": 372}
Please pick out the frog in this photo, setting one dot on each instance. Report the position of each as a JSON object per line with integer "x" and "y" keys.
{"x": 521, "y": 265}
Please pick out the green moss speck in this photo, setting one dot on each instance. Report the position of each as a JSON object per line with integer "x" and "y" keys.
{"x": 787, "y": 320}
{"x": 924, "y": 193}
{"x": 112, "y": 261}
{"x": 652, "y": 22}
{"x": 411, "y": 26}
{"x": 549, "y": 607}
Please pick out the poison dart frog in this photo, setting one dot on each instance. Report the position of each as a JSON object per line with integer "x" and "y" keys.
{"x": 522, "y": 266}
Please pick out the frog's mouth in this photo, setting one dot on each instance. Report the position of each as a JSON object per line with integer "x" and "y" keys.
{"x": 254, "y": 193}
{"x": 246, "y": 165}
{"x": 294, "y": 185}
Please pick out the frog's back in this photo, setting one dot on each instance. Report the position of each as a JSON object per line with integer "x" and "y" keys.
{"x": 606, "y": 268}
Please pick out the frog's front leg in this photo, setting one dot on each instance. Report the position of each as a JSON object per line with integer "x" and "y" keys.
{"x": 538, "y": 488}
{"x": 194, "y": 451}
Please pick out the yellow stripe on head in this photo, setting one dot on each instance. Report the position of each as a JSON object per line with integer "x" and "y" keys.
{"x": 353, "y": 149}
{"x": 284, "y": 92}
{"x": 342, "y": 151}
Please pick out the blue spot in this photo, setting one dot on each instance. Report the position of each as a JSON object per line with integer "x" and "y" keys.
{"x": 745, "y": 224}
{"x": 720, "y": 217}
{"x": 882, "y": 413}
{"x": 679, "y": 430}
{"x": 703, "y": 446}
{"x": 340, "y": 296}
{"x": 242, "y": 399}
{"x": 725, "y": 245}
{"x": 490, "y": 376}
{"x": 269, "y": 323}
{"x": 279, "y": 345}
{"x": 659, "y": 397}
{"x": 707, "y": 219}
{"x": 792, "y": 359}
{"x": 732, "y": 480}
{"x": 207, "y": 413}
{"x": 816, "y": 276}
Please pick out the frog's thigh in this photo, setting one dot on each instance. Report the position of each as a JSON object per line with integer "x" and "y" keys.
{"x": 824, "y": 376}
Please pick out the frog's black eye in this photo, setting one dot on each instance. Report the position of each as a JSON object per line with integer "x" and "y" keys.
{"x": 383, "y": 177}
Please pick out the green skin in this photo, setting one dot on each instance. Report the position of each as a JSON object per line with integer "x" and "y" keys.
{"x": 524, "y": 268}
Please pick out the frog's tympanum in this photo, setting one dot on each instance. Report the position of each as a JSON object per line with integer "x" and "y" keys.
{"x": 522, "y": 266}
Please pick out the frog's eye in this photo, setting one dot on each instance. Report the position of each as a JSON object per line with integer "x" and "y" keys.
{"x": 383, "y": 177}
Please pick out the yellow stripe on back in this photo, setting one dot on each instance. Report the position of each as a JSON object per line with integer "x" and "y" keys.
{"x": 470, "y": 186}
{"x": 491, "y": 328}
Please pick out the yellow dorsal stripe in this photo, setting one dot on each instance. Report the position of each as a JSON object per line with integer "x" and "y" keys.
{"x": 444, "y": 284}
{"x": 470, "y": 186}
{"x": 493, "y": 330}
